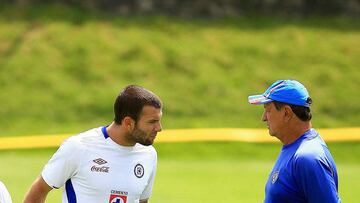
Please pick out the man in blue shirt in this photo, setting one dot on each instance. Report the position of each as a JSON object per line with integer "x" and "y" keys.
{"x": 305, "y": 170}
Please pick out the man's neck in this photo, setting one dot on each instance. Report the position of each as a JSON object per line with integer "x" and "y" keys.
{"x": 294, "y": 131}
{"x": 117, "y": 134}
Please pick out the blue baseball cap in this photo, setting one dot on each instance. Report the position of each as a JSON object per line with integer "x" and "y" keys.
{"x": 286, "y": 91}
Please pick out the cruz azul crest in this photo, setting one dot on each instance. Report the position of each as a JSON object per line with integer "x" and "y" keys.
{"x": 274, "y": 177}
{"x": 139, "y": 170}
{"x": 117, "y": 198}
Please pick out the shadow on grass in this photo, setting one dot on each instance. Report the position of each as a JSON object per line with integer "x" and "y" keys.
{"x": 48, "y": 13}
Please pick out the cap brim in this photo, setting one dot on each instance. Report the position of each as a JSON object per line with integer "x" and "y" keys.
{"x": 258, "y": 99}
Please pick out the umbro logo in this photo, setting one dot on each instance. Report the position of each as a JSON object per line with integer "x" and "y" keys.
{"x": 100, "y": 161}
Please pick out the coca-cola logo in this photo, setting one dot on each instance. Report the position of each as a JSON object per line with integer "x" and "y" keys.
{"x": 103, "y": 169}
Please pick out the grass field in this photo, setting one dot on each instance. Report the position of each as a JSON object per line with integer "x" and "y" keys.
{"x": 196, "y": 172}
{"x": 61, "y": 68}
{"x": 68, "y": 66}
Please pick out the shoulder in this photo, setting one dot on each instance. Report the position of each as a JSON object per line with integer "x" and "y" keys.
{"x": 76, "y": 144}
{"x": 4, "y": 193}
{"x": 311, "y": 148}
{"x": 148, "y": 150}
{"x": 83, "y": 138}
{"x": 2, "y": 186}
{"x": 311, "y": 153}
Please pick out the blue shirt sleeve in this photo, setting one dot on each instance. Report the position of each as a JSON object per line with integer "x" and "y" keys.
{"x": 316, "y": 178}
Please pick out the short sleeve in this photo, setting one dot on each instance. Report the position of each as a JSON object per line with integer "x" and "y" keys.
{"x": 63, "y": 164}
{"x": 148, "y": 189}
{"x": 317, "y": 179}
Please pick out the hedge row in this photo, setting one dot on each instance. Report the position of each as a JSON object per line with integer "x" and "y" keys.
{"x": 212, "y": 8}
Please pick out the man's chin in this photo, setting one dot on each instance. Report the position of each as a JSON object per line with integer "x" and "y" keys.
{"x": 147, "y": 142}
{"x": 271, "y": 133}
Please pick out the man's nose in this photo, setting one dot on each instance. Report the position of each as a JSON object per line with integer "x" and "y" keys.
{"x": 264, "y": 117}
{"x": 158, "y": 128}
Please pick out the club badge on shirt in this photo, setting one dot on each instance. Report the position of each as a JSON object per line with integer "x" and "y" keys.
{"x": 117, "y": 198}
{"x": 274, "y": 177}
{"x": 139, "y": 171}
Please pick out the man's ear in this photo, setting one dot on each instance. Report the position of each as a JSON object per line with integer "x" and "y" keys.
{"x": 129, "y": 123}
{"x": 288, "y": 113}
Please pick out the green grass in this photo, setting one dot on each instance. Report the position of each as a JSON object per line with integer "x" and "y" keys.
{"x": 196, "y": 172}
{"x": 62, "y": 68}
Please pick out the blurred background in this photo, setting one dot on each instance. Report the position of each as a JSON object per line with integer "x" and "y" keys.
{"x": 62, "y": 63}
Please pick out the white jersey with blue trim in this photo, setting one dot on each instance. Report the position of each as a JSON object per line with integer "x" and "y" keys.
{"x": 4, "y": 194}
{"x": 95, "y": 169}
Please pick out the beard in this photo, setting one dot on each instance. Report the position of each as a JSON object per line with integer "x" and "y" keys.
{"x": 140, "y": 136}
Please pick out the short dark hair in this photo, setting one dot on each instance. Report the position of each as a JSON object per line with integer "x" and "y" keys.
{"x": 131, "y": 101}
{"x": 302, "y": 112}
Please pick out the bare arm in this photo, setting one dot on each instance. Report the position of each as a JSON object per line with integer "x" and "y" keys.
{"x": 38, "y": 191}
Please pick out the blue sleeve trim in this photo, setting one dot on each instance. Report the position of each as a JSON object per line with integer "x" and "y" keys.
{"x": 70, "y": 192}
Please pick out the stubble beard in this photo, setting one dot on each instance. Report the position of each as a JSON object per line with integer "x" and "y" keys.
{"x": 139, "y": 136}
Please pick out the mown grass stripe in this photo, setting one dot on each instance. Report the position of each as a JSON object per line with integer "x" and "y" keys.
{"x": 185, "y": 135}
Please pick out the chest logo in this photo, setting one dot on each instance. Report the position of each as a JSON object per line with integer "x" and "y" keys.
{"x": 101, "y": 169}
{"x": 274, "y": 177}
{"x": 117, "y": 199}
{"x": 100, "y": 161}
{"x": 139, "y": 171}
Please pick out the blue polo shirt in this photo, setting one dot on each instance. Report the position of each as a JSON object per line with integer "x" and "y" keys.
{"x": 304, "y": 172}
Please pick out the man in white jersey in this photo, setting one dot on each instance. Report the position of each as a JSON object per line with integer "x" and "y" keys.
{"x": 4, "y": 194}
{"x": 109, "y": 164}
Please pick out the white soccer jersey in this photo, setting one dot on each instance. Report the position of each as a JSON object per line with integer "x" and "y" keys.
{"x": 4, "y": 194}
{"x": 95, "y": 169}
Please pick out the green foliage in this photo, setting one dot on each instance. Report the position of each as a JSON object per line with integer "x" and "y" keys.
{"x": 60, "y": 71}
